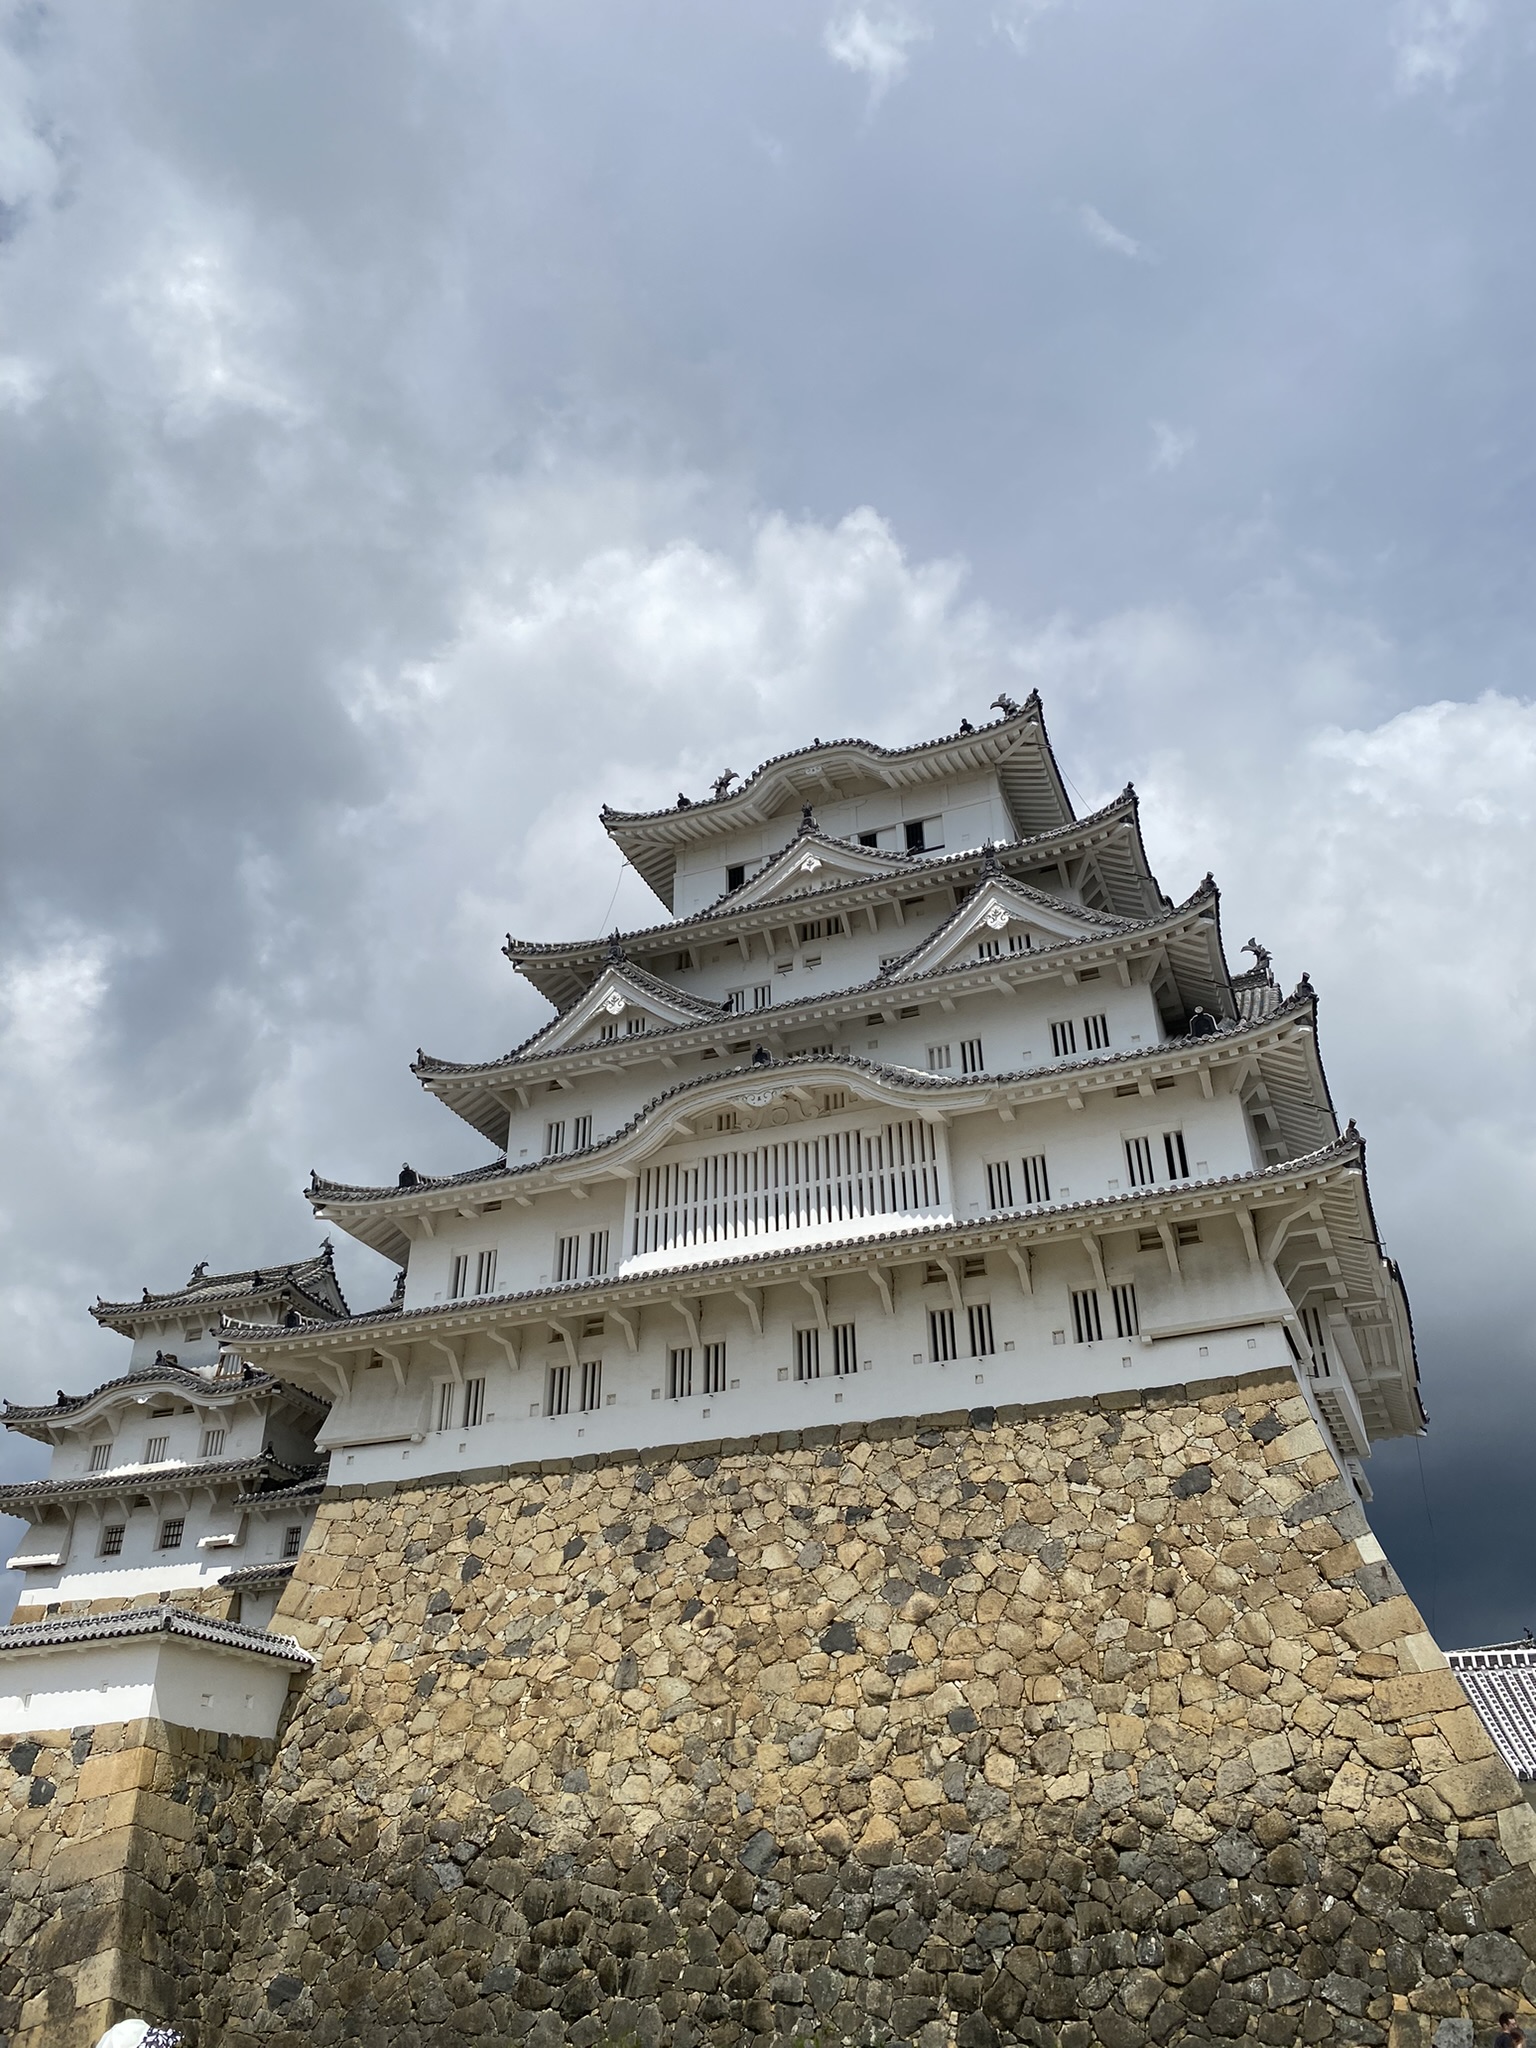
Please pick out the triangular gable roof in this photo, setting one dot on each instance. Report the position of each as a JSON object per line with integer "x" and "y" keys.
{"x": 621, "y": 986}
{"x": 995, "y": 906}
{"x": 812, "y": 860}
{"x": 206, "y": 1293}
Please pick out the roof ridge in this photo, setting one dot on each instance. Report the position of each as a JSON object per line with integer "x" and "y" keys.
{"x": 162, "y": 1619}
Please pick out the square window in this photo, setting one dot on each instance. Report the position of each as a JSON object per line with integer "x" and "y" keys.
{"x": 171, "y": 1530}
{"x": 213, "y": 1443}
{"x": 101, "y": 1457}
{"x": 293, "y": 1539}
{"x": 112, "y": 1539}
{"x": 155, "y": 1450}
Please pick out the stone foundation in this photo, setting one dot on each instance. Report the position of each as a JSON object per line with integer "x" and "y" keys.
{"x": 121, "y": 1853}
{"x": 1098, "y": 1725}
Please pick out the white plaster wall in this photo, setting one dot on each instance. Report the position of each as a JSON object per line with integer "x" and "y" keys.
{"x": 193, "y": 1685}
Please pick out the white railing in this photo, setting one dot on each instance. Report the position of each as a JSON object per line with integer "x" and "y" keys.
{"x": 839, "y": 1177}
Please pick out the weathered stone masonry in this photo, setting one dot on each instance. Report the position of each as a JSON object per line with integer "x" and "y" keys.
{"x": 1090, "y": 1725}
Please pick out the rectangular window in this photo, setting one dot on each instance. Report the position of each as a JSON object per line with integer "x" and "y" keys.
{"x": 293, "y": 1539}
{"x": 1087, "y": 1324}
{"x": 444, "y": 1404}
{"x": 735, "y": 875}
{"x": 999, "y": 1184}
{"x": 213, "y": 1443}
{"x": 845, "y": 1349}
{"x": 941, "y": 1335}
{"x": 833, "y": 1099}
{"x": 458, "y": 1277}
{"x": 808, "y": 1354}
{"x": 171, "y": 1530}
{"x": 714, "y": 1368}
{"x": 989, "y": 949}
{"x": 112, "y": 1539}
{"x": 1127, "y": 1322}
{"x": 557, "y": 1400}
{"x": 1037, "y": 1182}
{"x": 1186, "y": 1233}
{"x": 924, "y": 835}
{"x": 1177, "y": 1157}
{"x": 485, "y": 1272}
{"x": 1149, "y": 1241}
{"x": 940, "y": 1059}
{"x": 1019, "y": 942}
{"x": 554, "y": 1137}
{"x": 155, "y": 1449}
{"x": 610, "y": 1028}
{"x": 1063, "y": 1038}
{"x": 633, "y": 1026}
{"x": 1096, "y": 1032}
{"x": 979, "y": 1316}
{"x": 973, "y": 1266}
{"x": 680, "y": 1373}
{"x": 735, "y": 1001}
{"x": 568, "y": 1257}
{"x": 474, "y": 1403}
{"x": 591, "y": 1385}
{"x": 581, "y": 1133}
{"x": 762, "y": 996}
{"x": 597, "y": 1252}
{"x": 101, "y": 1457}
{"x": 1317, "y": 1338}
{"x": 971, "y": 1061}
{"x": 1138, "y": 1162}
{"x": 869, "y": 839}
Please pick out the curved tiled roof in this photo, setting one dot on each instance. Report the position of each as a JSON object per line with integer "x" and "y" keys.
{"x": 314, "y": 1277}
{"x": 1348, "y": 1147}
{"x": 1109, "y": 926}
{"x": 303, "y": 1490}
{"x": 145, "y": 1479}
{"x": 909, "y": 1078}
{"x": 257, "y": 1578}
{"x": 175, "y": 1379}
{"x": 126, "y": 1622}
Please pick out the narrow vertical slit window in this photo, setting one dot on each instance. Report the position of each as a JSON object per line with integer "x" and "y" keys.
{"x": 808, "y": 1354}
{"x": 999, "y": 1184}
{"x": 558, "y": 1394}
{"x": 581, "y": 1133}
{"x": 1177, "y": 1157}
{"x": 714, "y": 1368}
{"x": 940, "y": 1059}
{"x": 458, "y": 1277}
{"x": 979, "y": 1317}
{"x": 1096, "y": 1032}
{"x": 1127, "y": 1321}
{"x": 1019, "y": 942}
{"x": 1138, "y": 1162}
{"x": 1037, "y": 1182}
{"x": 972, "y": 1060}
{"x": 610, "y": 1028}
{"x": 633, "y": 1026}
{"x": 989, "y": 949}
{"x": 554, "y": 1137}
{"x": 845, "y": 1349}
{"x": 156, "y": 1449}
{"x": 485, "y": 1273}
{"x": 444, "y": 1405}
{"x": 597, "y": 1252}
{"x": 680, "y": 1373}
{"x": 762, "y": 996}
{"x": 735, "y": 875}
{"x": 1087, "y": 1324}
{"x": 941, "y": 1335}
{"x": 591, "y": 1385}
{"x": 735, "y": 1001}
{"x": 474, "y": 1403}
{"x": 1063, "y": 1038}
{"x": 213, "y": 1443}
{"x": 568, "y": 1257}
{"x": 101, "y": 1457}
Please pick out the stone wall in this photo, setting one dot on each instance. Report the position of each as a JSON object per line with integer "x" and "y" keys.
{"x": 1092, "y": 1725}
{"x": 121, "y": 1857}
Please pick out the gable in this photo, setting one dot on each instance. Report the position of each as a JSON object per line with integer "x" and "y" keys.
{"x": 812, "y": 861}
{"x": 1001, "y": 919}
{"x": 618, "y": 996}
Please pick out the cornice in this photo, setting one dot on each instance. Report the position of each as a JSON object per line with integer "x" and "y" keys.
{"x": 1329, "y": 1165}
{"x": 73, "y": 1410}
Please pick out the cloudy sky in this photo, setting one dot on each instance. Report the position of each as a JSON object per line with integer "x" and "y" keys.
{"x": 424, "y": 421}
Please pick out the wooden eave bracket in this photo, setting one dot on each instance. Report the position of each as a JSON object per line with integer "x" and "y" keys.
{"x": 450, "y": 1352}
{"x": 751, "y": 1298}
{"x": 817, "y": 1290}
{"x": 628, "y": 1321}
{"x": 1023, "y": 1263}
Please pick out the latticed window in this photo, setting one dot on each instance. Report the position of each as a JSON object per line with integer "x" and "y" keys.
{"x": 568, "y": 1257}
{"x": 474, "y": 1403}
{"x": 999, "y": 1184}
{"x": 1087, "y": 1323}
{"x": 597, "y": 1251}
{"x": 101, "y": 1457}
{"x": 458, "y": 1277}
{"x": 112, "y": 1539}
{"x": 1063, "y": 1038}
{"x": 293, "y": 1539}
{"x": 1138, "y": 1162}
{"x": 808, "y": 1354}
{"x": 155, "y": 1450}
{"x": 554, "y": 1137}
{"x": 979, "y": 1317}
{"x": 680, "y": 1372}
{"x": 1176, "y": 1156}
{"x": 972, "y": 1060}
{"x": 591, "y": 1384}
{"x": 171, "y": 1530}
{"x": 213, "y": 1443}
{"x": 1037, "y": 1182}
{"x": 1096, "y": 1032}
{"x": 581, "y": 1133}
{"x": 941, "y": 1335}
{"x": 558, "y": 1391}
{"x": 940, "y": 1059}
{"x": 714, "y": 1368}
{"x": 485, "y": 1272}
{"x": 1127, "y": 1321}
{"x": 444, "y": 1405}
{"x": 845, "y": 1349}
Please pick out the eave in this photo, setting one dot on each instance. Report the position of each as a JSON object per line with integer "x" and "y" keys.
{"x": 1188, "y": 941}
{"x": 49, "y": 1423}
{"x": 1015, "y": 747}
{"x": 562, "y": 970}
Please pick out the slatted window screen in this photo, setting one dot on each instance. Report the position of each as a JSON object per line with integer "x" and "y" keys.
{"x": 156, "y": 1449}
{"x": 1037, "y": 1182}
{"x": 101, "y": 1457}
{"x": 568, "y": 1257}
{"x": 1127, "y": 1321}
{"x": 458, "y": 1276}
{"x": 474, "y": 1403}
{"x": 558, "y": 1394}
{"x": 808, "y": 1354}
{"x": 1176, "y": 1156}
{"x": 680, "y": 1373}
{"x": 1063, "y": 1038}
{"x": 999, "y": 1184}
{"x": 171, "y": 1530}
{"x": 845, "y": 1349}
{"x": 979, "y": 1317}
{"x": 293, "y": 1540}
{"x": 112, "y": 1539}
{"x": 597, "y": 1252}
{"x": 581, "y": 1133}
{"x": 714, "y": 1368}
{"x": 554, "y": 1137}
{"x": 789, "y": 1184}
{"x": 972, "y": 1059}
{"x": 444, "y": 1405}
{"x": 1138, "y": 1162}
{"x": 1096, "y": 1032}
{"x": 941, "y": 1335}
{"x": 591, "y": 1384}
{"x": 485, "y": 1272}
{"x": 1087, "y": 1323}
{"x": 213, "y": 1443}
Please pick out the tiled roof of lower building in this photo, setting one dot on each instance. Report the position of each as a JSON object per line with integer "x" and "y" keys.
{"x": 127, "y": 1622}
{"x": 1500, "y": 1681}
{"x": 167, "y": 1478}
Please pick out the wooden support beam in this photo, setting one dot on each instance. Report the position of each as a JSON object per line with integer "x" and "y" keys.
{"x": 393, "y": 1360}
{"x": 338, "y": 1375}
{"x": 455, "y": 1370}
{"x": 511, "y": 1343}
{"x": 751, "y": 1299}
{"x": 1023, "y": 1263}
{"x": 689, "y": 1311}
{"x": 1095, "y": 1253}
{"x": 817, "y": 1290}
{"x": 1250, "y": 1237}
{"x": 881, "y": 1282}
{"x": 565, "y": 1332}
{"x": 948, "y": 1267}
{"x": 1171, "y": 1248}
{"x": 628, "y": 1321}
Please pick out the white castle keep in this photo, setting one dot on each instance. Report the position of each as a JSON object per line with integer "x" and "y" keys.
{"x": 923, "y": 1098}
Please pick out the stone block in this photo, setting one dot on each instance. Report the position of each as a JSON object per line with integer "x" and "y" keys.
{"x": 1383, "y": 1624}
{"x": 1479, "y": 1788}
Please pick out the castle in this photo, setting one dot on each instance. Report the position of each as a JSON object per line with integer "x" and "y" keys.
{"x": 852, "y": 1525}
